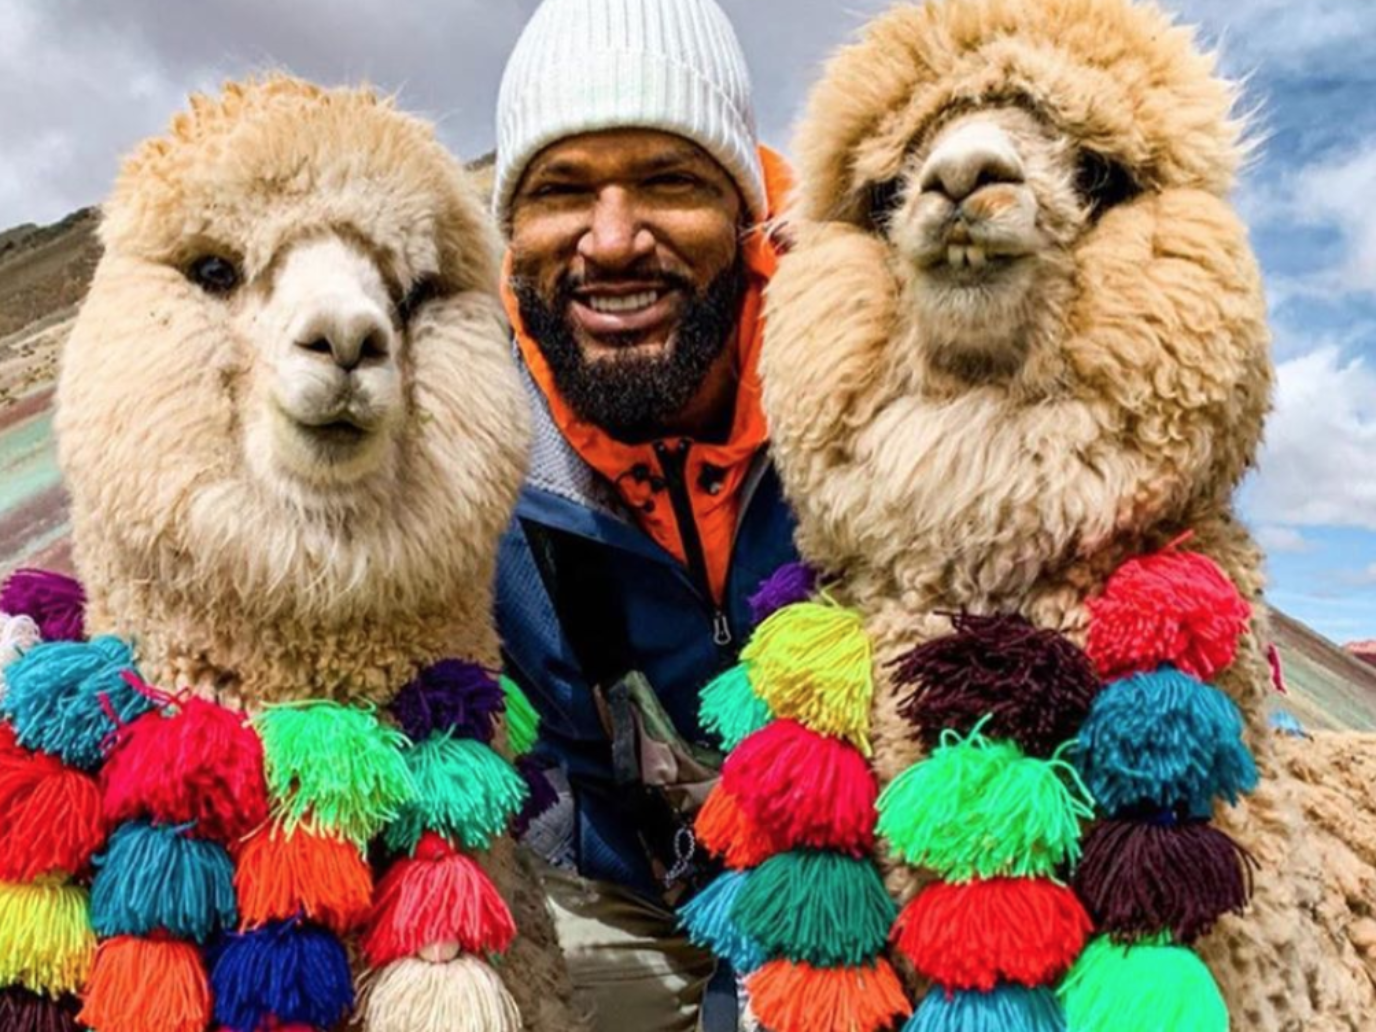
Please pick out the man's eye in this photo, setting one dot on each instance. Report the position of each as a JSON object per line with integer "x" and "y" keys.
{"x": 555, "y": 190}
{"x": 673, "y": 181}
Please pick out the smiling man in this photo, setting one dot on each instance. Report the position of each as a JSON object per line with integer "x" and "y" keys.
{"x": 632, "y": 190}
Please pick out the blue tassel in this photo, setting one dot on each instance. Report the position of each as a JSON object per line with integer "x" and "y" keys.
{"x": 1009, "y": 1008}
{"x": 153, "y": 879}
{"x": 707, "y": 917}
{"x": 54, "y": 697}
{"x": 1164, "y": 741}
{"x": 293, "y": 971}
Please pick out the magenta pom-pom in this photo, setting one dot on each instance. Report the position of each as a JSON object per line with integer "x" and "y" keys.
{"x": 192, "y": 762}
{"x": 53, "y": 601}
{"x": 1171, "y": 607}
{"x": 804, "y": 789}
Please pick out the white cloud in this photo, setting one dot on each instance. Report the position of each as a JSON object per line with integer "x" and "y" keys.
{"x": 1281, "y": 33}
{"x": 1277, "y": 539}
{"x": 1319, "y": 463}
{"x": 1339, "y": 193}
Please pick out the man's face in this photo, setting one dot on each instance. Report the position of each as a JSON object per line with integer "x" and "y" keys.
{"x": 627, "y": 266}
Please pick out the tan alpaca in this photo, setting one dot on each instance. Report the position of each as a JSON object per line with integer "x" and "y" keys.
{"x": 1022, "y": 339}
{"x": 289, "y": 422}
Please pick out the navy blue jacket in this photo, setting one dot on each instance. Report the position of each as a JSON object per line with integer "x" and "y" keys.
{"x": 580, "y": 586}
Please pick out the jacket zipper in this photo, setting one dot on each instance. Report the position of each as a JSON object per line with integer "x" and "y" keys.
{"x": 674, "y": 462}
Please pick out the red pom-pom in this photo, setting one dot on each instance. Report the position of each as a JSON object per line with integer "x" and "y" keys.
{"x": 438, "y": 898}
{"x": 973, "y": 936}
{"x": 804, "y": 789}
{"x": 1172, "y": 607}
{"x": 788, "y": 997}
{"x": 144, "y": 985}
{"x": 191, "y": 762}
{"x": 726, "y": 830}
{"x": 50, "y": 817}
{"x": 284, "y": 874}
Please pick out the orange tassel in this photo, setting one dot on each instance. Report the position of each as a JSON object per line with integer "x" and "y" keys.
{"x": 143, "y": 985}
{"x": 788, "y": 997}
{"x": 283, "y": 874}
{"x": 725, "y": 830}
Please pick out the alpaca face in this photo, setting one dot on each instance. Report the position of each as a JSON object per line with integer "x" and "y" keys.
{"x": 291, "y": 380}
{"x": 983, "y": 218}
{"x": 326, "y": 401}
{"x": 1021, "y": 320}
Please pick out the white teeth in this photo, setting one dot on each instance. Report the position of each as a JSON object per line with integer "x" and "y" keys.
{"x": 959, "y": 257}
{"x": 621, "y": 305}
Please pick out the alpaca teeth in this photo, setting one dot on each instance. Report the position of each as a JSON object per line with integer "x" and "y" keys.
{"x": 629, "y": 303}
{"x": 955, "y": 256}
{"x": 976, "y": 257}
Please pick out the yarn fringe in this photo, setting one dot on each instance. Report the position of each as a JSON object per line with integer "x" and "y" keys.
{"x": 788, "y": 997}
{"x": 144, "y": 985}
{"x": 812, "y": 662}
{"x": 464, "y": 995}
{"x": 281, "y": 875}
{"x": 462, "y": 790}
{"x": 46, "y": 941}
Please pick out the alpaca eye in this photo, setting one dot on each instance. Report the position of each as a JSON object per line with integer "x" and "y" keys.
{"x": 213, "y": 274}
{"x": 884, "y": 199}
{"x": 1103, "y": 183}
{"x": 427, "y": 288}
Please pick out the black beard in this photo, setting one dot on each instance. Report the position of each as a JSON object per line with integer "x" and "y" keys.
{"x": 631, "y": 396}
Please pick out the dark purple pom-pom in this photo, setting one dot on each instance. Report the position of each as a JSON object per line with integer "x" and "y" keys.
{"x": 452, "y": 696}
{"x": 55, "y": 602}
{"x": 1141, "y": 878}
{"x": 789, "y": 584}
{"x": 23, "y": 1011}
{"x": 542, "y": 793}
{"x": 1034, "y": 685}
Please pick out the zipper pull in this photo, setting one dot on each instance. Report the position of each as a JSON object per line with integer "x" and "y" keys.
{"x": 721, "y": 630}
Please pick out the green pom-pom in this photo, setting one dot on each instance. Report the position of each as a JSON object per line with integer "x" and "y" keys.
{"x": 731, "y": 708}
{"x": 812, "y": 662}
{"x": 522, "y": 720}
{"x": 982, "y": 809}
{"x": 337, "y": 765}
{"x": 824, "y": 909}
{"x": 1141, "y": 988}
{"x": 464, "y": 791}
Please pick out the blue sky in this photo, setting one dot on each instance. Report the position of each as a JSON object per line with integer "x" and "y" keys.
{"x": 82, "y": 80}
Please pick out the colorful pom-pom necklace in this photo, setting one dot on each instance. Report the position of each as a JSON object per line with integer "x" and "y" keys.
{"x": 180, "y": 866}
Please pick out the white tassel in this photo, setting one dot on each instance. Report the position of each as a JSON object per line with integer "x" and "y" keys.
{"x": 18, "y": 634}
{"x": 464, "y": 995}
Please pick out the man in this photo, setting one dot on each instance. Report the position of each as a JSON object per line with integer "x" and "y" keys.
{"x": 631, "y": 188}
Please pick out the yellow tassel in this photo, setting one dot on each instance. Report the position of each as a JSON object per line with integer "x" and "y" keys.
{"x": 812, "y": 662}
{"x": 464, "y": 995}
{"x": 46, "y": 940}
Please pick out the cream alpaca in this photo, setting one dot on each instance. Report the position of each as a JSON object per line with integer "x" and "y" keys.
{"x": 289, "y": 421}
{"x": 1022, "y": 339}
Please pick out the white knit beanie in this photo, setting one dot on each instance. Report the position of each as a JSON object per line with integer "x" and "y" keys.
{"x": 586, "y": 65}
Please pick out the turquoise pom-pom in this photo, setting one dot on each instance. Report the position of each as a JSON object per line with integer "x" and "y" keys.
{"x": 707, "y": 918}
{"x": 1164, "y": 741}
{"x": 152, "y": 879}
{"x": 58, "y": 693}
{"x": 463, "y": 791}
{"x": 1009, "y": 1008}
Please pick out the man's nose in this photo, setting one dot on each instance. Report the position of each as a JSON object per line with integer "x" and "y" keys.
{"x": 617, "y": 236}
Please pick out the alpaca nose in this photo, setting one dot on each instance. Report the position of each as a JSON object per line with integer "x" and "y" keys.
{"x": 351, "y": 336}
{"x": 969, "y": 158}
